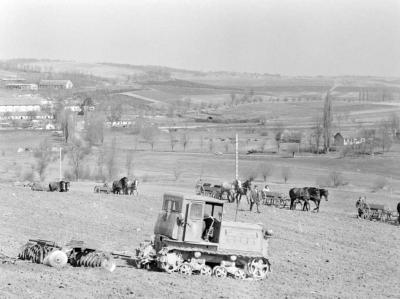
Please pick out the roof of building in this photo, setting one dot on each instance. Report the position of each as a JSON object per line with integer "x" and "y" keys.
{"x": 20, "y": 100}
{"x": 54, "y": 82}
{"x": 21, "y": 84}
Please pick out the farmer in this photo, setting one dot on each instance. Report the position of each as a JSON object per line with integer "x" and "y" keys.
{"x": 255, "y": 198}
{"x": 360, "y": 205}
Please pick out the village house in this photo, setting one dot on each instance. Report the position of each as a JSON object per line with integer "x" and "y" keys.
{"x": 56, "y": 84}
{"x": 22, "y": 86}
{"x": 339, "y": 140}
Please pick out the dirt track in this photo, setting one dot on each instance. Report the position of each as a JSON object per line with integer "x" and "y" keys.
{"x": 329, "y": 254}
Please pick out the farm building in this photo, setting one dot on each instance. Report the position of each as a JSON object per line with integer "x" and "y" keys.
{"x": 9, "y": 80}
{"x": 339, "y": 140}
{"x": 10, "y": 103}
{"x": 57, "y": 84}
{"x": 22, "y": 86}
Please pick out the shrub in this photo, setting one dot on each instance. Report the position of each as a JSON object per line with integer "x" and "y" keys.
{"x": 333, "y": 179}
{"x": 286, "y": 174}
{"x": 336, "y": 179}
{"x": 178, "y": 170}
{"x": 265, "y": 170}
{"x": 28, "y": 175}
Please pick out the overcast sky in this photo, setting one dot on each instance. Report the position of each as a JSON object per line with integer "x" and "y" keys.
{"x": 303, "y": 37}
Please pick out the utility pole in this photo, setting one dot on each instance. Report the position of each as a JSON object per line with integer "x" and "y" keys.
{"x": 60, "y": 164}
{"x": 237, "y": 158}
{"x": 237, "y": 171}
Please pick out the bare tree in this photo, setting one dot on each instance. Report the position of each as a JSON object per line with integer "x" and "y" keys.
{"x": 201, "y": 142}
{"x": 172, "y": 139}
{"x": 178, "y": 170}
{"x": 233, "y": 98}
{"x": 278, "y": 131}
{"x": 77, "y": 152}
{"x": 95, "y": 129}
{"x": 211, "y": 145}
{"x": 100, "y": 164}
{"x": 317, "y": 133}
{"x": 185, "y": 139}
{"x": 226, "y": 145}
{"x": 265, "y": 170}
{"x": 327, "y": 122}
{"x": 384, "y": 135}
{"x": 110, "y": 162}
{"x": 115, "y": 110}
{"x": 149, "y": 134}
{"x": 43, "y": 157}
{"x": 129, "y": 162}
{"x": 286, "y": 174}
{"x": 66, "y": 121}
{"x": 394, "y": 124}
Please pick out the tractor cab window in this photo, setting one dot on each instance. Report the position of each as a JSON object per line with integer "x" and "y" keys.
{"x": 213, "y": 210}
{"x": 172, "y": 205}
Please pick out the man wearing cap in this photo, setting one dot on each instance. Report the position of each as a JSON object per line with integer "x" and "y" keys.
{"x": 255, "y": 198}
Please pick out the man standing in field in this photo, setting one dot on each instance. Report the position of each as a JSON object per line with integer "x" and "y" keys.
{"x": 254, "y": 198}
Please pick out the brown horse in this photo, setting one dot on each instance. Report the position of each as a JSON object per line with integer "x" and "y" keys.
{"x": 398, "y": 211}
{"x": 306, "y": 194}
{"x": 315, "y": 196}
{"x": 121, "y": 186}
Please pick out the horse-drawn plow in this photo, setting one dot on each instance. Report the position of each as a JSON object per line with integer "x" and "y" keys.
{"x": 375, "y": 212}
{"x": 214, "y": 191}
{"x": 276, "y": 199}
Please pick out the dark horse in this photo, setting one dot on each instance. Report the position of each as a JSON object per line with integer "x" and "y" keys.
{"x": 61, "y": 186}
{"x": 306, "y": 194}
{"x": 121, "y": 186}
{"x": 398, "y": 211}
{"x": 241, "y": 189}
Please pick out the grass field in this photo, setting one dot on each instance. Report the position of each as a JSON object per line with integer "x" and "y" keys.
{"x": 329, "y": 254}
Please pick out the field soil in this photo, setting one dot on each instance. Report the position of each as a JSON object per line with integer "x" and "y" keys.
{"x": 330, "y": 254}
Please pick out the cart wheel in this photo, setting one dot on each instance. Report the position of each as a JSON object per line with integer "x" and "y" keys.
{"x": 220, "y": 271}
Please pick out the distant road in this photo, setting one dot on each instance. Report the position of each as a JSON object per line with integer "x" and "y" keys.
{"x": 138, "y": 96}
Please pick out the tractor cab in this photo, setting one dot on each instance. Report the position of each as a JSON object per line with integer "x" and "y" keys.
{"x": 190, "y": 218}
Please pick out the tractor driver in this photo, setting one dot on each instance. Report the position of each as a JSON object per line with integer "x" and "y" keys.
{"x": 208, "y": 231}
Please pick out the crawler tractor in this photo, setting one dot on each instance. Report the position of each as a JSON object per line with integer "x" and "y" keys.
{"x": 191, "y": 236}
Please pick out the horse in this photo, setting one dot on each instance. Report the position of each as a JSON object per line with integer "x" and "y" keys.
{"x": 61, "y": 186}
{"x": 398, "y": 211}
{"x": 229, "y": 190}
{"x": 241, "y": 189}
{"x": 315, "y": 195}
{"x": 133, "y": 186}
{"x": 121, "y": 186}
{"x": 298, "y": 194}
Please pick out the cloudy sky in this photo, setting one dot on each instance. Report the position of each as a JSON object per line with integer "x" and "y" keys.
{"x": 292, "y": 37}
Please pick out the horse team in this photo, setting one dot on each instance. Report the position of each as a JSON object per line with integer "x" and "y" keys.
{"x": 236, "y": 190}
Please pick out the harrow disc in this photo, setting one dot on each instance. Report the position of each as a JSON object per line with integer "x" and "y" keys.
{"x": 56, "y": 258}
{"x": 108, "y": 264}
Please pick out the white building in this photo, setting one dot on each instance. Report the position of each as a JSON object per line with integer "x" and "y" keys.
{"x": 57, "y": 84}
{"x": 20, "y": 104}
{"x": 22, "y": 86}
